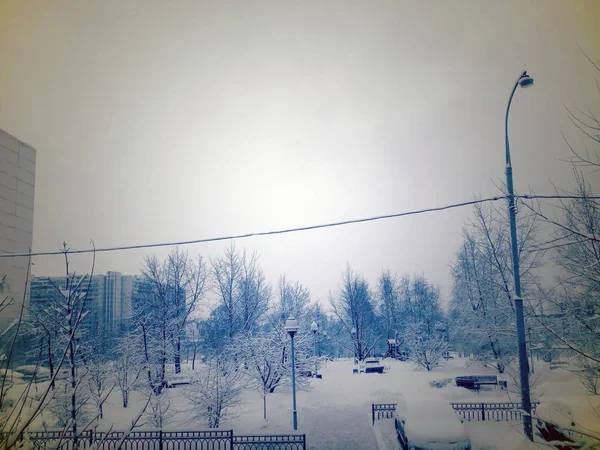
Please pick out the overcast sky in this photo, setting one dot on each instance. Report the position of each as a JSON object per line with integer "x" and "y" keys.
{"x": 176, "y": 120}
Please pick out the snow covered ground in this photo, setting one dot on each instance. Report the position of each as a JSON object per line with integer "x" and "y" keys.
{"x": 336, "y": 412}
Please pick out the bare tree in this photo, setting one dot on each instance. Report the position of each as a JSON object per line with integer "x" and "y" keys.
{"x": 226, "y": 272}
{"x": 194, "y": 338}
{"x": 353, "y": 306}
{"x": 389, "y": 305}
{"x": 292, "y": 299}
{"x": 254, "y": 293}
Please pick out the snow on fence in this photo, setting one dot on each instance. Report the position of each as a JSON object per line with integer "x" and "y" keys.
{"x": 468, "y": 411}
{"x": 166, "y": 440}
{"x": 382, "y": 410}
{"x": 491, "y": 411}
{"x": 270, "y": 442}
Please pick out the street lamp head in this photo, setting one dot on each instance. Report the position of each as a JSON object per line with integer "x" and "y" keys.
{"x": 291, "y": 325}
{"x": 525, "y": 81}
{"x": 314, "y": 327}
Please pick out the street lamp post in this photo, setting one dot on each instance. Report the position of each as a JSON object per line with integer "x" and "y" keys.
{"x": 524, "y": 81}
{"x": 353, "y": 331}
{"x": 291, "y": 326}
{"x": 314, "y": 328}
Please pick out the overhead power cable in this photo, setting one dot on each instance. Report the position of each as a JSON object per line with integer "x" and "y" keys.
{"x": 294, "y": 230}
{"x": 261, "y": 233}
{"x": 557, "y": 197}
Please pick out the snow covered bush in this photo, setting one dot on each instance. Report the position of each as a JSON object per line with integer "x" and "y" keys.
{"x": 266, "y": 359}
{"x": 126, "y": 368}
{"x": 215, "y": 392}
{"x": 440, "y": 383}
{"x": 159, "y": 411}
{"x": 428, "y": 351}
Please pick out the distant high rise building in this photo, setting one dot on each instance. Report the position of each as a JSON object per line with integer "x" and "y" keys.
{"x": 116, "y": 304}
{"x": 17, "y": 187}
{"x": 108, "y": 300}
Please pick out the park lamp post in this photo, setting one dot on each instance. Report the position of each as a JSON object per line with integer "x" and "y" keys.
{"x": 523, "y": 81}
{"x": 314, "y": 327}
{"x": 353, "y": 331}
{"x": 291, "y": 326}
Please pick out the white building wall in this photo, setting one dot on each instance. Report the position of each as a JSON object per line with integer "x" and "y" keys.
{"x": 17, "y": 187}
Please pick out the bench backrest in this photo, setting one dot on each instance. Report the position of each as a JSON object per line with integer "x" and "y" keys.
{"x": 478, "y": 378}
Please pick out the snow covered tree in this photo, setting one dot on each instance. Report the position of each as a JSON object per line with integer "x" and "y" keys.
{"x": 194, "y": 340}
{"x": 265, "y": 354}
{"x": 389, "y": 303}
{"x": 215, "y": 391}
{"x": 427, "y": 349}
{"x": 164, "y": 298}
{"x": 68, "y": 307}
{"x": 242, "y": 296}
{"x": 482, "y": 309}
{"x": 127, "y": 367}
{"x": 226, "y": 272}
{"x": 390, "y": 307}
{"x": 254, "y": 293}
{"x": 353, "y": 305}
{"x": 292, "y": 299}
{"x": 72, "y": 299}
{"x": 97, "y": 375}
{"x": 266, "y": 358}
{"x": 159, "y": 411}
{"x": 570, "y": 310}
{"x": 578, "y": 299}
{"x": 213, "y": 332}
{"x": 425, "y": 331}
{"x": 483, "y": 320}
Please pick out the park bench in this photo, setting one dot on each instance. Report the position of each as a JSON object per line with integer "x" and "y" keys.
{"x": 474, "y": 382}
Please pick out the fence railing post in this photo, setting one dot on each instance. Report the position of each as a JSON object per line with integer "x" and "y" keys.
{"x": 483, "y": 411}
{"x": 230, "y": 439}
{"x": 304, "y": 442}
{"x": 372, "y": 414}
{"x": 160, "y": 439}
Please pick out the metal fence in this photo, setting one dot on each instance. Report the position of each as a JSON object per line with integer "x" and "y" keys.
{"x": 382, "y": 410}
{"x": 270, "y": 442}
{"x": 468, "y": 411}
{"x": 491, "y": 411}
{"x": 166, "y": 440}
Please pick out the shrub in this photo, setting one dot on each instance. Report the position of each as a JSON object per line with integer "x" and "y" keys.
{"x": 440, "y": 383}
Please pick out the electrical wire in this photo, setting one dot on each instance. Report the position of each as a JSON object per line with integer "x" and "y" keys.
{"x": 294, "y": 230}
{"x": 262, "y": 233}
